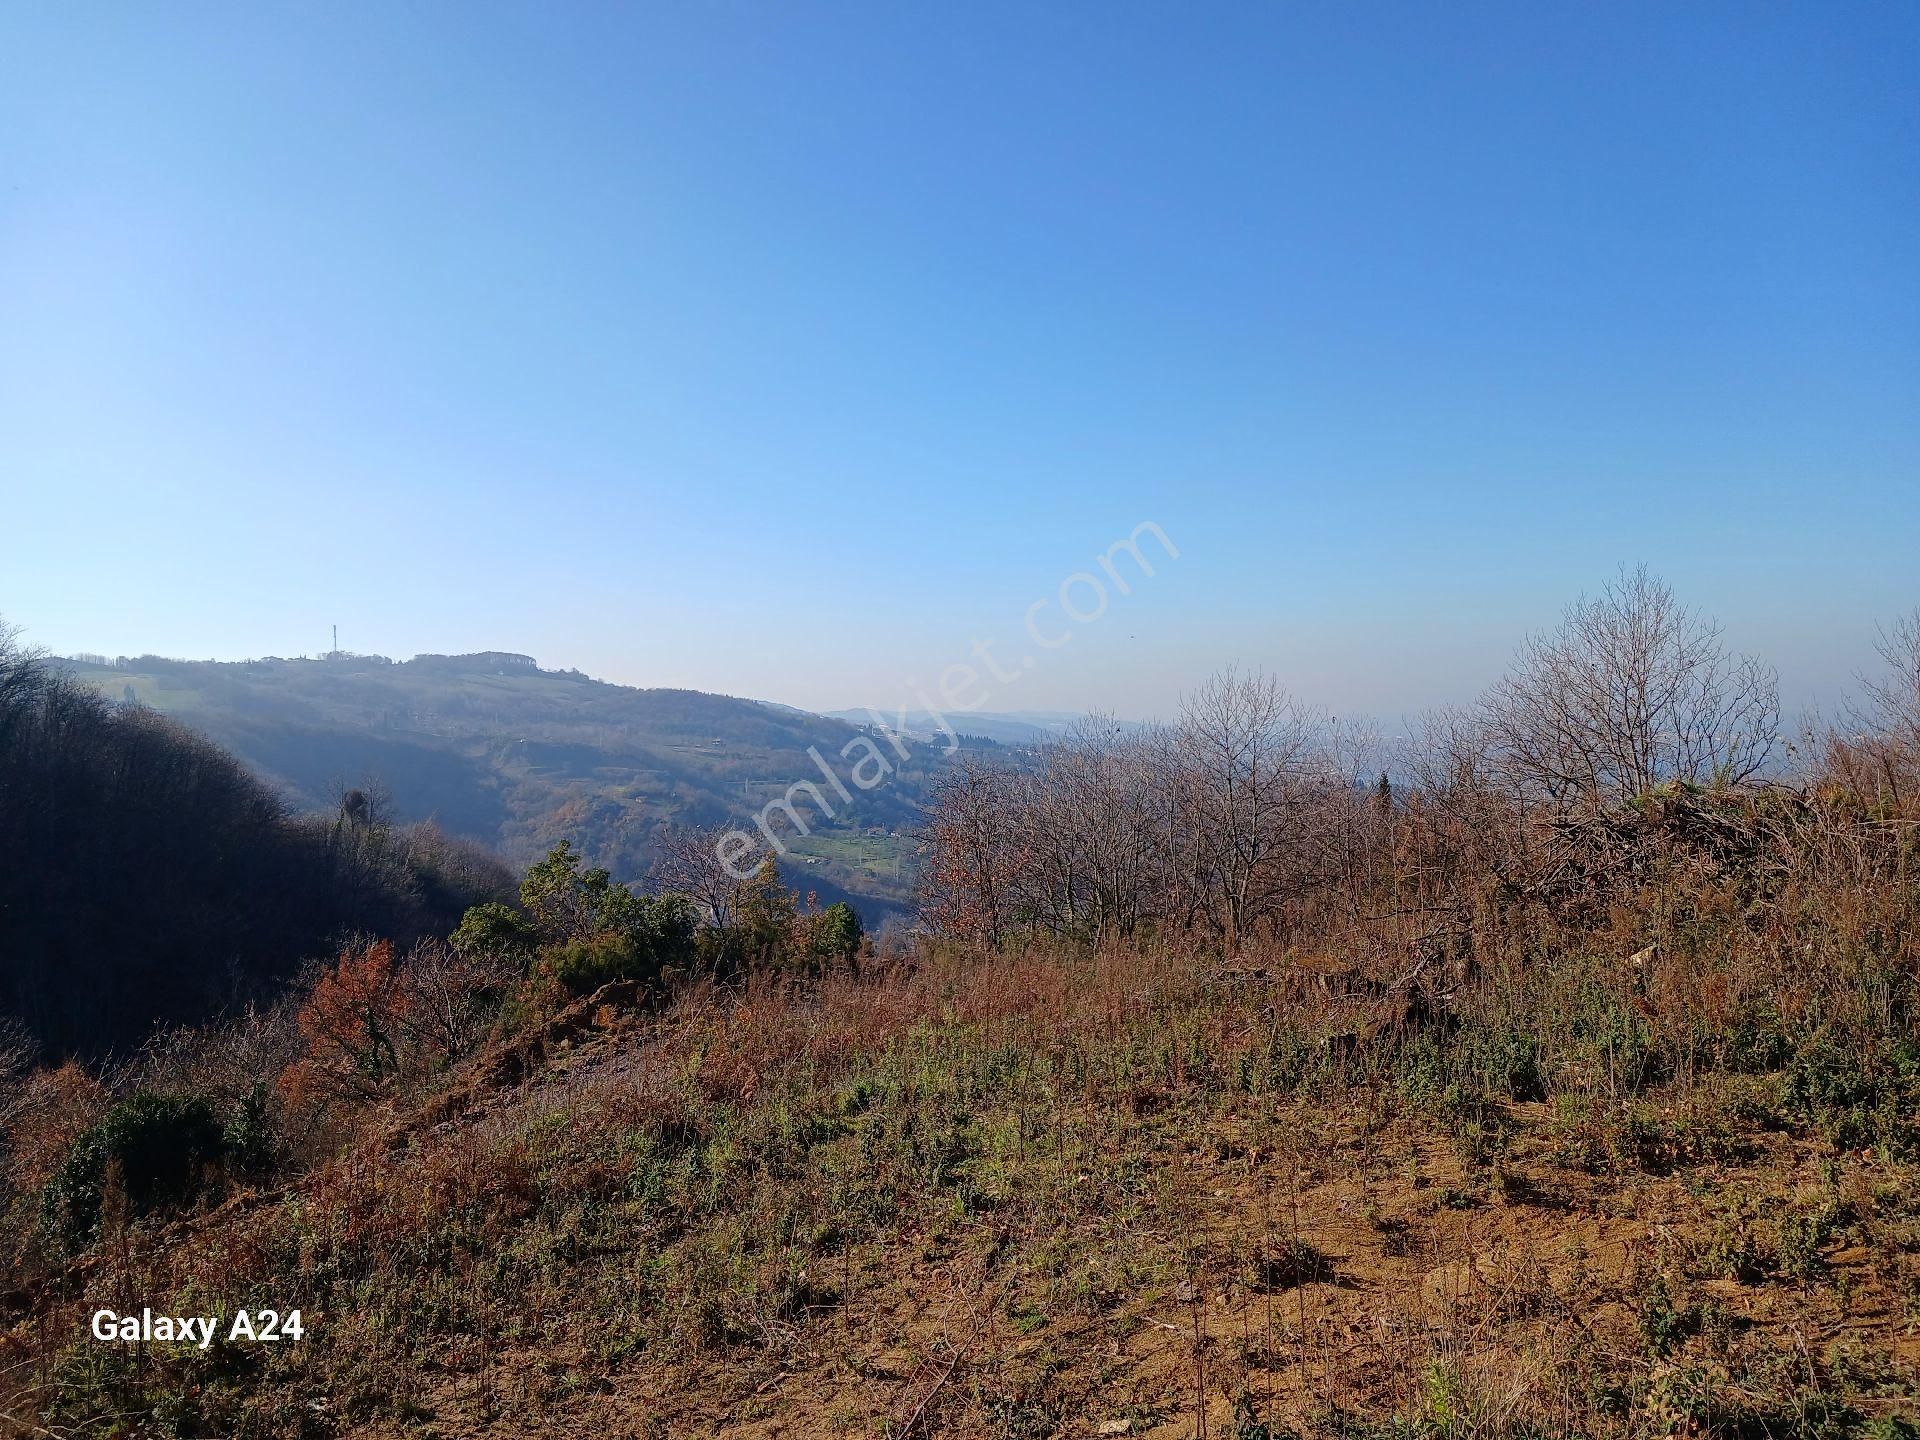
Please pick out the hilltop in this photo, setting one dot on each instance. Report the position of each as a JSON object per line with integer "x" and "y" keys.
{"x": 494, "y": 748}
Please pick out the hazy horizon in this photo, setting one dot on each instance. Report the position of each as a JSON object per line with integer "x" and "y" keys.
{"x": 787, "y": 355}
{"x": 1796, "y": 704}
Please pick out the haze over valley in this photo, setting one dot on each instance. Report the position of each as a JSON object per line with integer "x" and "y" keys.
{"x": 493, "y": 748}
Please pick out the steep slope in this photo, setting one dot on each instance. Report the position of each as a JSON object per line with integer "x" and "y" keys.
{"x": 146, "y": 877}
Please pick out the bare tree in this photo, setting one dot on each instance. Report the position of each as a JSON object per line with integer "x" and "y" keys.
{"x": 1630, "y": 691}
{"x": 23, "y": 675}
{"x": 1247, "y": 746}
{"x": 450, "y": 994}
{"x": 1257, "y": 816}
{"x": 974, "y": 858}
{"x": 1180, "y": 852}
{"x": 1462, "y": 821}
{"x": 1881, "y": 755}
{"x": 1097, "y": 829}
{"x": 686, "y": 861}
{"x": 1219, "y": 821}
{"x": 18, "y": 1051}
{"x": 1893, "y": 700}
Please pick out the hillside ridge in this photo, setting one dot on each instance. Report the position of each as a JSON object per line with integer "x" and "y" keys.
{"x": 496, "y": 749}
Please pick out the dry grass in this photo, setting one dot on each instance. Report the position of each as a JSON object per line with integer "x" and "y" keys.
{"x": 1034, "y": 1194}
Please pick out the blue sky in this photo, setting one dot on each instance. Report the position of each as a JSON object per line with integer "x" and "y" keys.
{"x": 787, "y": 350}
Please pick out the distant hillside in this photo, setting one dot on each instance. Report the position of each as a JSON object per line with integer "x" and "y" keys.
{"x": 1010, "y": 728}
{"x": 1019, "y": 728}
{"x": 494, "y": 748}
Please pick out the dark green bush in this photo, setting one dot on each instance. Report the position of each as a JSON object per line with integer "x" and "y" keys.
{"x": 496, "y": 929}
{"x": 252, "y": 1145}
{"x": 159, "y": 1150}
{"x": 656, "y": 934}
{"x": 835, "y": 936}
{"x": 1757, "y": 1043}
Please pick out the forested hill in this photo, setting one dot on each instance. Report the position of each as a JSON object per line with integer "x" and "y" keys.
{"x": 149, "y": 879}
{"x": 497, "y": 749}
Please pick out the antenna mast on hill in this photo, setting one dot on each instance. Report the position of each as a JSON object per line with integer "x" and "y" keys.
{"x": 336, "y": 640}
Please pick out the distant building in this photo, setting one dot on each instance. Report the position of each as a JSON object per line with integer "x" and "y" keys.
{"x": 493, "y": 662}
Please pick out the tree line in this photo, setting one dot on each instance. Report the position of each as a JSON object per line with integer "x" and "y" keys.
{"x": 1612, "y": 743}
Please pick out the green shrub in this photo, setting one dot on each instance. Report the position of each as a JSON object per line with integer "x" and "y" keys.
{"x": 252, "y": 1146}
{"x": 835, "y": 935}
{"x": 1853, "y": 1096}
{"x": 583, "y": 966}
{"x": 1757, "y": 1043}
{"x": 1802, "y": 1237}
{"x": 656, "y": 933}
{"x": 158, "y": 1150}
{"x": 1505, "y": 1060}
{"x": 1664, "y": 1323}
{"x": 496, "y": 929}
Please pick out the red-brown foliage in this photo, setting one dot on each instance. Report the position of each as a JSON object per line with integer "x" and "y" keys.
{"x": 351, "y": 1025}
